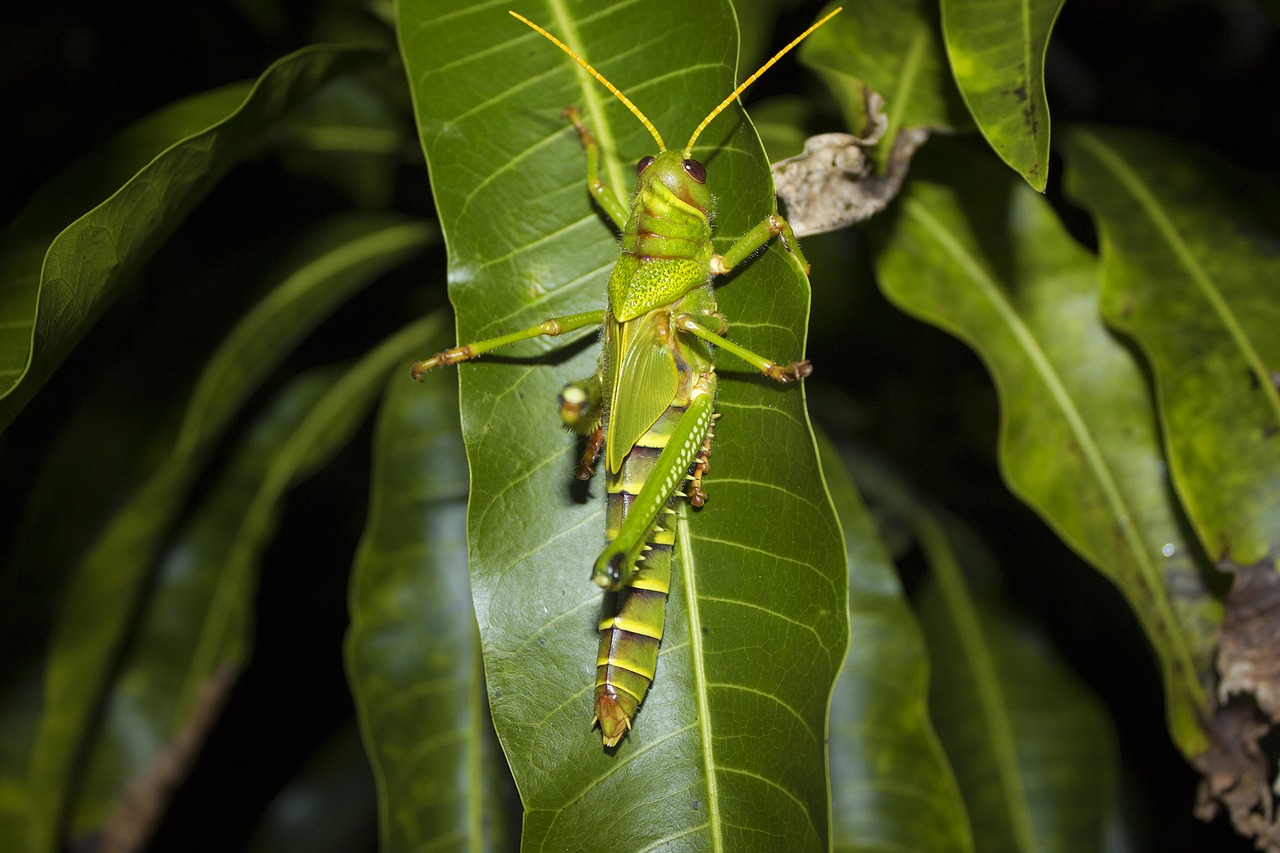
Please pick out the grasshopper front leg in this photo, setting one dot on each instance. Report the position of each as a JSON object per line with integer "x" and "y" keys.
{"x": 771, "y": 226}
{"x": 549, "y": 328}
{"x": 609, "y": 203}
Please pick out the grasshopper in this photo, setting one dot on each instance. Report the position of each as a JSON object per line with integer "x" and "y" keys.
{"x": 648, "y": 407}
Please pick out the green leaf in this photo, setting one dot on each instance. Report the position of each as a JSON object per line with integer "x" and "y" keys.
{"x": 169, "y": 689}
{"x": 195, "y": 630}
{"x": 894, "y": 48}
{"x": 1190, "y": 261}
{"x": 997, "y": 53}
{"x": 351, "y": 135}
{"x": 343, "y": 256}
{"x": 69, "y": 253}
{"x": 337, "y": 259}
{"x": 1032, "y": 748}
{"x": 780, "y": 121}
{"x": 413, "y": 652}
{"x": 891, "y": 786}
{"x": 985, "y": 259}
{"x": 729, "y": 747}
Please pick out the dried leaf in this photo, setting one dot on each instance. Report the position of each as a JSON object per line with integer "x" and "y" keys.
{"x": 1249, "y": 647}
{"x": 830, "y": 185}
{"x": 1235, "y": 774}
{"x": 1235, "y": 768}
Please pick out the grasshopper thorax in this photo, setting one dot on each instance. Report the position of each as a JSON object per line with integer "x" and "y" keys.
{"x": 666, "y": 241}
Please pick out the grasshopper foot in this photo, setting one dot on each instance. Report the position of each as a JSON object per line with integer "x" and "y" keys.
{"x": 793, "y": 372}
{"x": 587, "y": 463}
{"x": 449, "y": 356}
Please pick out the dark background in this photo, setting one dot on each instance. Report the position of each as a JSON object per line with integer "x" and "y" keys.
{"x": 76, "y": 72}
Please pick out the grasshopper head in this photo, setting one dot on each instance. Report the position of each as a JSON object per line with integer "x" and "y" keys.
{"x": 685, "y": 177}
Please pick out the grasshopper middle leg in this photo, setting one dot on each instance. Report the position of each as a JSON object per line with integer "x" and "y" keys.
{"x": 549, "y": 328}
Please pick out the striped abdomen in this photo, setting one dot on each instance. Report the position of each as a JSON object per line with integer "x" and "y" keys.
{"x": 629, "y": 640}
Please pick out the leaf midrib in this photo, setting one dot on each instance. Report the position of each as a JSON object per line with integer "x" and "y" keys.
{"x": 590, "y": 93}
{"x": 976, "y": 651}
{"x": 906, "y": 82}
{"x": 700, "y": 680}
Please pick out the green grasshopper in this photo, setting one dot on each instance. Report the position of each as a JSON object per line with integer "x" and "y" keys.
{"x": 649, "y": 405}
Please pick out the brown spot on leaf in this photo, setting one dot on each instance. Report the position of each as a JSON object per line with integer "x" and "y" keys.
{"x": 1030, "y": 119}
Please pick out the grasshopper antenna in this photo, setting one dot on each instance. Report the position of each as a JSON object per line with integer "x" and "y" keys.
{"x": 635, "y": 111}
{"x": 688, "y": 149}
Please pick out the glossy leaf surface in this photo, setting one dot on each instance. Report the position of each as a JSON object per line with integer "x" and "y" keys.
{"x": 987, "y": 261}
{"x": 728, "y": 749}
{"x": 1190, "y": 262}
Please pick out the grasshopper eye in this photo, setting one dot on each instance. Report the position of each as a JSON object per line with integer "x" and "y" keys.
{"x": 696, "y": 170}
{"x": 644, "y": 163}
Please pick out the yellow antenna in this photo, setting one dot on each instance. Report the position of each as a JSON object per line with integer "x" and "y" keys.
{"x": 635, "y": 111}
{"x": 753, "y": 78}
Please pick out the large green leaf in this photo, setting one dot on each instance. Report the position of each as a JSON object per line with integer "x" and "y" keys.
{"x": 69, "y": 252}
{"x": 985, "y": 259}
{"x": 340, "y": 257}
{"x": 1033, "y": 749}
{"x": 891, "y": 785}
{"x": 413, "y": 653}
{"x": 996, "y": 49}
{"x": 1189, "y": 271}
{"x": 728, "y": 750}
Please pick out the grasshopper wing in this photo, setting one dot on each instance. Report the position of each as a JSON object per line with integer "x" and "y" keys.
{"x": 646, "y": 383}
